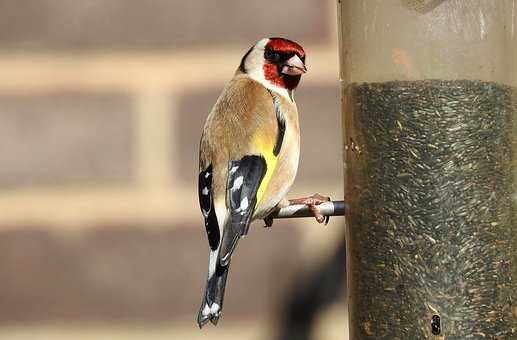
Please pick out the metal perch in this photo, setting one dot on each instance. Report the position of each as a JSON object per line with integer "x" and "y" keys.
{"x": 331, "y": 208}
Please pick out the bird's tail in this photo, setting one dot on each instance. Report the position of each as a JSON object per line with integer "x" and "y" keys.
{"x": 212, "y": 303}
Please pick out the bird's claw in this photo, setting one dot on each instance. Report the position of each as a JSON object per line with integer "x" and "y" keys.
{"x": 312, "y": 203}
{"x": 268, "y": 221}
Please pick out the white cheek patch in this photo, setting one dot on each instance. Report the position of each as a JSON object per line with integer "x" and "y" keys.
{"x": 255, "y": 69}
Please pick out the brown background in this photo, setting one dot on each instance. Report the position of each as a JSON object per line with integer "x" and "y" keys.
{"x": 101, "y": 108}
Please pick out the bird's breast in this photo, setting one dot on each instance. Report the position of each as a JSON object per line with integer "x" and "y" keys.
{"x": 278, "y": 181}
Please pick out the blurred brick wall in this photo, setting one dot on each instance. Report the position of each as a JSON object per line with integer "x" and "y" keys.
{"x": 101, "y": 108}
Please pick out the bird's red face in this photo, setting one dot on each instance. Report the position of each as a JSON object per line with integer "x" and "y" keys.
{"x": 284, "y": 63}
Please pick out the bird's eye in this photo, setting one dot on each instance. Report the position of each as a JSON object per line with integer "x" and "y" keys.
{"x": 272, "y": 55}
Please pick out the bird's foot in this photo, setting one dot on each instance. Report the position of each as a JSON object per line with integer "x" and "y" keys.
{"x": 312, "y": 203}
{"x": 269, "y": 220}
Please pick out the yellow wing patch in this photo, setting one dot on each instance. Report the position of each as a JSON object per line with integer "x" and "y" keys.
{"x": 266, "y": 150}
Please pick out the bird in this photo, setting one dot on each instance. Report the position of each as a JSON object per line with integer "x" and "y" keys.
{"x": 248, "y": 156}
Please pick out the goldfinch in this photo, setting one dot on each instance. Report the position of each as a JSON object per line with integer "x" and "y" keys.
{"x": 248, "y": 157}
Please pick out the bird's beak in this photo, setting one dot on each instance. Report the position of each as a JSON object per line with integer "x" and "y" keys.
{"x": 294, "y": 66}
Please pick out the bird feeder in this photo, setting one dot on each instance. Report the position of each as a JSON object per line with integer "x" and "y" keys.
{"x": 429, "y": 117}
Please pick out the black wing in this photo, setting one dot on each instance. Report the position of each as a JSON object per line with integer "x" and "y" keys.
{"x": 244, "y": 178}
{"x": 206, "y": 203}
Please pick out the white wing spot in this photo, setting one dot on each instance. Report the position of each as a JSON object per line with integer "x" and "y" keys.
{"x": 244, "y": 204}
{"x": 207, "y": 175}
{"x": 212, "y": 263}
{"x": 237, "y": 184}
{"x": 205, "y": 191}
{"x": 225, "y": 257}
{"x": 205, "y": 213}
{"x": 233, "y": 169}
{"x": 214, "y": 309}
{"x": 206, "y": 310}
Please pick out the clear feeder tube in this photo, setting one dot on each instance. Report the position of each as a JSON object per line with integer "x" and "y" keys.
{"x": 429, "y": 118}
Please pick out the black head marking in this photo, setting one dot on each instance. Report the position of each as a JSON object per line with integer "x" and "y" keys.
{"x": 242, "y": 66}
